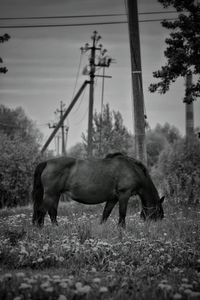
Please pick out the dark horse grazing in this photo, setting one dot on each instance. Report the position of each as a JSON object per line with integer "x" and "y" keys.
{"x": 115, "y": 178}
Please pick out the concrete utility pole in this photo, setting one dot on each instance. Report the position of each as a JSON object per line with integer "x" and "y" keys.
{"x": 189, "y": 113}
{"x": 138, "y": 99}
{"x": 61, "y": 111}
{"x": 104, "y": 61}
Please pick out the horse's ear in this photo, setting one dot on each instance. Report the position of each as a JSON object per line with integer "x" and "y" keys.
{"x": 162, "y": 199}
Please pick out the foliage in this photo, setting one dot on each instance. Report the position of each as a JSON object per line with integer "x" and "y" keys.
{"x": 178, "y": 172}
{"x": 77, "y": 151}
{"x": 183, "y": 46}
{"x": 82, "y": 259}
{"x": 3, "y": 38}
{"x": 17, "y": 163}
{"x": 19, "y": 148}
{"x": 109, "y": 134}
{"x": 157, "y": 139}
{"x": 15, "y": 122}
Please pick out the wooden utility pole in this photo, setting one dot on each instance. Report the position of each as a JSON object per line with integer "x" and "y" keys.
{"x": 104, "y": 61}
{"x": 189, "y": 112}
{"x": 136, "y": 71}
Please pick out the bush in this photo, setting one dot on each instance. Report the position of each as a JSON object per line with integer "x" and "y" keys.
{"x": 177, "y": 172}
{"x": 17, "y": 163}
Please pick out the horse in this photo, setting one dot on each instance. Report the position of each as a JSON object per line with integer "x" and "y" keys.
{"x": 112, "y": 179}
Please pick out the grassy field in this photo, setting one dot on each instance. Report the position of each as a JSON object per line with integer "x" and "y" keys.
{"x": 81, "y": 259}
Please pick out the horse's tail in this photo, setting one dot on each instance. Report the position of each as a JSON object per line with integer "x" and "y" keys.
{"x": 38, "y": 190}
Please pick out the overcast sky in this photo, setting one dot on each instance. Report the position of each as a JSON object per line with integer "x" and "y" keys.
{"x": 43, "y": 63}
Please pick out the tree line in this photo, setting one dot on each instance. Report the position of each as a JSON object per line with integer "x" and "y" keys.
{"x": 174, "y": 167}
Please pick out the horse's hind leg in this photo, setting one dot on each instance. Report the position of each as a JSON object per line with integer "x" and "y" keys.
{"x": 108, "y": 208}
{"x": 51, "y": 205}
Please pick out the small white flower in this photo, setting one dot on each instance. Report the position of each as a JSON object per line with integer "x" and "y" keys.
{"x": 25, "y": 286}
{"x": 40, "y": 259}
{"x": 96, "y": 280}
{"x": 177, "y": 296}
{"x": 62, "y": 297}
{"x": 20, "y": 274}
{"x": 103, "y": 289}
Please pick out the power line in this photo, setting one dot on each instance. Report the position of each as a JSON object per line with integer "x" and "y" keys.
{"x": 82, "y": 24}
{"x": 83, "y": 16}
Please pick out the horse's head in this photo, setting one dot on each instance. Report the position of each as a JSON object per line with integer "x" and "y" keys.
{"x": 153, "y": 212}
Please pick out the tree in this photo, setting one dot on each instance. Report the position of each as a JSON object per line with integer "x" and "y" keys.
{"x": 109, "y": 134}
{"x": 3, "y": 38}
{"x": 16, "y": 123}
{"x": 77, "y": 151}
{"x": 19, "y": 148}
{"x": 177, "y": 172}
{"x": 157, "y": 139}
{"x": 183, "y": 44}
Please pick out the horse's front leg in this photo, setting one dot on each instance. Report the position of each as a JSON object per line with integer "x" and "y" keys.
{"x": 108, "y": 209}
{"x": 123, "y": 202}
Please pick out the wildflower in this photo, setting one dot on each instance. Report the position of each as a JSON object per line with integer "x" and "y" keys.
{"x": 78, "y": 285}
{"x": 25, "y": 286}
{"x": 56, "y": 277}
{"x": 64, "y": 285}
{"x": 8, "y": 276}
{"x": 177, "y": 296}
{"x": 17, "y": 298}
{"x": 23, "y": 251}
{"x": 49, "y": 289}
{"x": 96, "y": 280}
{"x": 86, "y": 289}
{"x": 20, "y": 274}
{"x": 40, "y": 259}
{"x": 176, "y": 269}
{"x": 188, "y": 291}
{"x": 194, "y": 295}
{"x": 82, "y": 289}
{"x": 45, "y": 247}
{"x": 166, "y": 287}
{"x": 62, "y": 297}
{"x": 61, "y": 259}
{"x": 93, "y": 270}
{"x": 103, "y": 289}
{"x": 45, "y": 285}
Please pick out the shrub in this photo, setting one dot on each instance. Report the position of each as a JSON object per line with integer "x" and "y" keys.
{"x": 17, "y": 163}
{"x": 177, "y": 172}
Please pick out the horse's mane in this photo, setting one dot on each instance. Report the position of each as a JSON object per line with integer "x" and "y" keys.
{"x": 112, "y": 155}
{"x": 128, "y": 158}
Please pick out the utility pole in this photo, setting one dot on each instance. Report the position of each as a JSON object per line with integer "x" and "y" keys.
{"x": 66, "y": 113}
{"x": 136, "y": 72}
{"x": 189, "y": 113}
{"x": 101, "y": 120}
{"x": 103, "y": 61}
{"x": 61, "y": 112}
